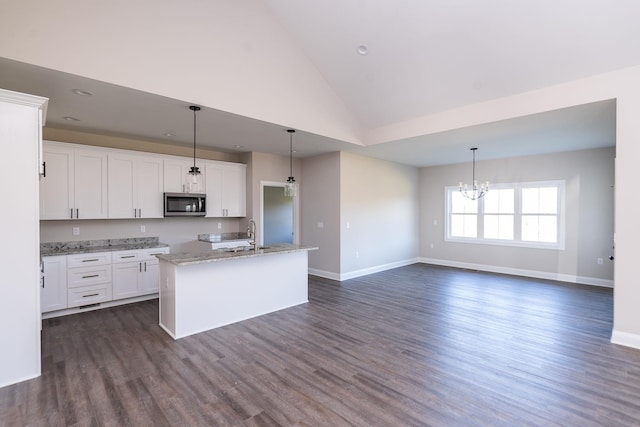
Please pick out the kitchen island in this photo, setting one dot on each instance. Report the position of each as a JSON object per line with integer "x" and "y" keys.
{"x": 205, "y": 290}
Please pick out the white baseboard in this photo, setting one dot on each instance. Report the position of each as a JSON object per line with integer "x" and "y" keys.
{"x": 363, "y": 272}
{"x": 324, "y": 274}
{"x": 101, "y": 305}
{"x": 626, "y": 339}
{"x": 593, "y": 281}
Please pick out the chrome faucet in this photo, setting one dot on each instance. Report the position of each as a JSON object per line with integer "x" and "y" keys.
{"x": 251, "y": 233}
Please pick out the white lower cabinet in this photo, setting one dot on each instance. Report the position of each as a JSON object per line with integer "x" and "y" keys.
{"x": 88, "y": 279}
{"x": 85, "y": 280}
{"x": 53, "y": 291}
{"x": 136, "y": 272}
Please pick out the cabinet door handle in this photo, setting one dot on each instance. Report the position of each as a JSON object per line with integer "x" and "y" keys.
{"x": 90, "y": 260}
{"x": 139, "y": 213}
{"x": 135, "y": 213}
{"x": 77, "y": 213}
{"x": 44, "y": 169}
{"x": 90, "y": 295}
{"x": 89, "y": 277}
{"x": 145, "y": 266}
{"x": 140, "y": 267}
{"x": 71, "y": 213}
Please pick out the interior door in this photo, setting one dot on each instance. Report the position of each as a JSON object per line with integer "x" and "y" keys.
{"x": 278, "y": 216}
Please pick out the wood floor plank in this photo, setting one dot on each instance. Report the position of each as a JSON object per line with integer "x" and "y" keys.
{"x": 417, "y": 345}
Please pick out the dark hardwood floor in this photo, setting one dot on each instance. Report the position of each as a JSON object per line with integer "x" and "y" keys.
{"x": 418, "y": 345}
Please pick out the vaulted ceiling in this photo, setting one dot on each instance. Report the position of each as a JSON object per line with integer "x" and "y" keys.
{"x": 422, "y": 57}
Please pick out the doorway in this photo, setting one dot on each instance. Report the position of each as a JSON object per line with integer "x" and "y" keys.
{"x": 278, "y": 215}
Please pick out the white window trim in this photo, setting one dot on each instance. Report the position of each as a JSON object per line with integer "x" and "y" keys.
{"x": 560, "y": 245}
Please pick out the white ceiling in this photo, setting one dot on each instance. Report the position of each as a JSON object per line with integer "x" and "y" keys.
{"x": 425, "y": 56}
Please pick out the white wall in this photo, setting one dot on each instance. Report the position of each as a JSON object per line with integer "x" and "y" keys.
{"x": 589, "y": 177}
{"x": 19, "y": 252}
{"x": 230, "y": 55}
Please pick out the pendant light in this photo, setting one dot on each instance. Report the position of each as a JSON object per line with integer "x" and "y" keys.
{"x": 476, "y": 192}
{"x": 291, "y": 188}
{"x": 194, "y": 177}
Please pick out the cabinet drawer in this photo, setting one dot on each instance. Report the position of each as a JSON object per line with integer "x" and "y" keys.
{"x": 125, "y": 256}
{"x": 89, "y": 295}
{"x": 150, "y": 254}
{"x": 84, "y": 260}
{"x": 88, "y": 276}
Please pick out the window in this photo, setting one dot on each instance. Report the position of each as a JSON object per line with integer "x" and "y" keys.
{"x": 525, "y": 214}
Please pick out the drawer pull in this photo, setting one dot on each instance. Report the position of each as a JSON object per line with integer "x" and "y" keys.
{"x": 89, "y": 277}
{"x": 128, "y": 256}
{"x": 90, "y": 295}
{"x": 159, "y": 253}
{"x": 91, "y": 260}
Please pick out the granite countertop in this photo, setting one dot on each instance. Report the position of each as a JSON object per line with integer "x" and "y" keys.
{"x": 205, "y": 257}
{"x": 107, "y": 245}
{"x": 223, "y": 237}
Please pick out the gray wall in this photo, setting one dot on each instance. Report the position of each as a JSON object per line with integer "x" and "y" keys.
{"x": 379, "y": 214}
{"x": 320, "y": 198}
{"x": 361, "y": 212}
{"x": 589, "y": 176}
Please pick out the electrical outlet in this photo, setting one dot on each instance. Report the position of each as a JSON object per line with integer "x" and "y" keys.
{"x": 431, "y": 245}
{"x": 76, "y": 231}
{"x": 219, "y": 226}
{"x": 320, "y": 225}
{"x": 599, "y": 261}
{"x": 143, "y": 229}
{"x": 357, "y": 254}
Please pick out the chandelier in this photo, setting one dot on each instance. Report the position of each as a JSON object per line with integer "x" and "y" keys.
{"x": 476, "y": 191}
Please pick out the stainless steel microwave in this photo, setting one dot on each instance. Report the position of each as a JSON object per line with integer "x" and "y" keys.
{"x": 185, "y": 204}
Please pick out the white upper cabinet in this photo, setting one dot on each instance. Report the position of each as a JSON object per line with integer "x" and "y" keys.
{"x": 175, "y": 176}
{"x": 135, "y": 186}
{"x": 226, "y": 189}
{"x": 91, "y": 184}
{"x": 86, "y": 182}
{"x": 74, "y": 185}
{"x": 56, "y": 184}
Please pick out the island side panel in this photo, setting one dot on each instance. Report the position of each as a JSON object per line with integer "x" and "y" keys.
{"x": 215, "y": 294}
{"x": 167, "y": 295}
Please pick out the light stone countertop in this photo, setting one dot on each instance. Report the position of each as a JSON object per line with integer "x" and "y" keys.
{"x": 204, "y": 257}
{"x": 92, "y": 246}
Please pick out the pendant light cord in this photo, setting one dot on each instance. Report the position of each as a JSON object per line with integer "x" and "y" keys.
{"x": 194, "y": 108}
{"x": 473, "y": 176}
{"x": 291, "y": 179}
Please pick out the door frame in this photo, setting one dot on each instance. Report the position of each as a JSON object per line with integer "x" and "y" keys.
{"x": 296, "y": 212}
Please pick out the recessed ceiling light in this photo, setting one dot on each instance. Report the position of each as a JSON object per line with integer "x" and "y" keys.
{"x": 362, "y": 50}
{"x": 169, "y": 134}
{"x": 71, "y": 119}
{"x": 239, "y": 146}
{"x": 82, "y": 92}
